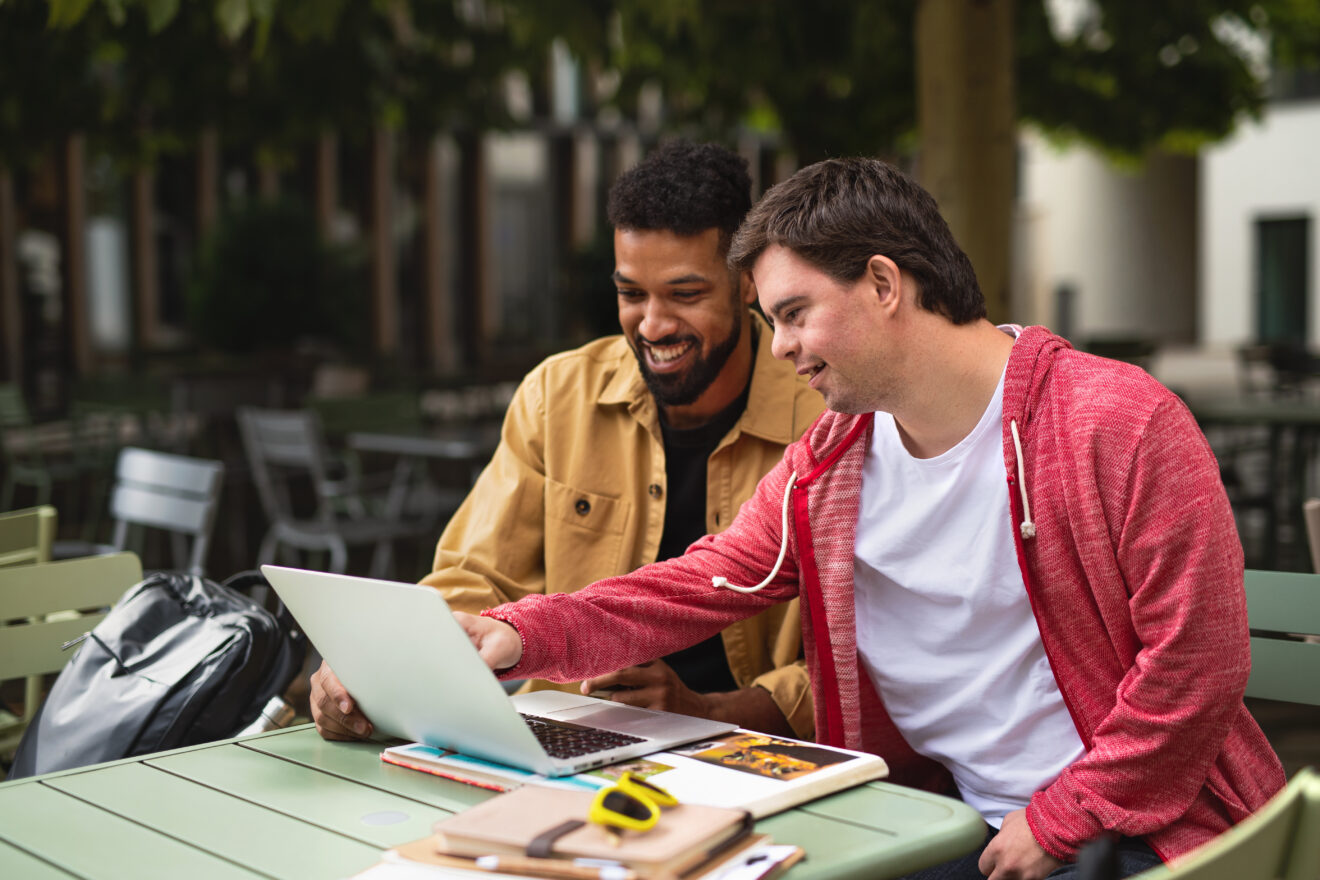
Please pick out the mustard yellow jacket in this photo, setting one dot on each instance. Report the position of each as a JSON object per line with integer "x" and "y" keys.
{"x": 576, "y": 493}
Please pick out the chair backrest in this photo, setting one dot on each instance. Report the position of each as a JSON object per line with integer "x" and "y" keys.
{"x": 26, "y": 535}
{"x": 1282, "y": 606}
{"x": 280, "y": 444}
{"x": 13, "y": 410}
{"x": 31, "y": 596}
{"x": 165, "y": 491}
{"x": 1311, "y": 513}
{"x": 1281, "y": 841}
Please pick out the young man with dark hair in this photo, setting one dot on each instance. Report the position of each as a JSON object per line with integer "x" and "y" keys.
{"x": 1019, "y": 571}
{"x": 630, "y": 448}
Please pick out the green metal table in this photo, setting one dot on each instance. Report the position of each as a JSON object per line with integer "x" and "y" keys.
{"x": 287, "y": 804}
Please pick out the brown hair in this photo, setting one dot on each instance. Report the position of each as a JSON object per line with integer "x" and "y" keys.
{"x": 839, "y": 213}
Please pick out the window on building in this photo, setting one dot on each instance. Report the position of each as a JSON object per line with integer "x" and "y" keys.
{"x": 1282, "y": 268}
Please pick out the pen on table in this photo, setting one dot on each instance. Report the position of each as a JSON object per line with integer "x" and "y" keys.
{"x": 585, "y": 869}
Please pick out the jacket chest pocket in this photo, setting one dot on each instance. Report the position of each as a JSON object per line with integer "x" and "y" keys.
{"x": 584, "y": 534}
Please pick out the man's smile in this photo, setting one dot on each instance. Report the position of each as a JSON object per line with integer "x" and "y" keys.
{"x": 662, "y": 357}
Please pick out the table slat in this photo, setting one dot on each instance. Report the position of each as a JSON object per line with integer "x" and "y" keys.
{"x": 253, "y": 836}
{"x": 366, "y": 814}
{"x": 361, "y": 762}
{"x": 15, "y": 862}
{"x": 88, "y": 841}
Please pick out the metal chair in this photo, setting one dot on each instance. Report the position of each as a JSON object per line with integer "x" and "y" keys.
{"x": 1283, "y": 610}
{"x": 42, "y": 607}
{"x": 25, "y": 538}
{"x": 286, "y": 450}
{"x": 26, "y": 535}
{"x": 175, "y": 493}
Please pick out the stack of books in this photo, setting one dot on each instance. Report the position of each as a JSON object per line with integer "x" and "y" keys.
{"x": 721, "y": 784}
{"x": 690, "y": 840}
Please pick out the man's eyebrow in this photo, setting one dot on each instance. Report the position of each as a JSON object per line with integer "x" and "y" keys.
{"x": 784, "y": 304}
{"x": 690, "y": 278}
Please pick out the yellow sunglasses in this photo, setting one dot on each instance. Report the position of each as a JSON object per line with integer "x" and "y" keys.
{"x": 631, "y": 803}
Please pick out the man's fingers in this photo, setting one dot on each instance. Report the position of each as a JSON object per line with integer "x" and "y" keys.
{"x": 497, "y": 642}
{"x": 336, "y": 715}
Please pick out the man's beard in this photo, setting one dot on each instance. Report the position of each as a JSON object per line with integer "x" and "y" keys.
{"x": 680, "y": 389}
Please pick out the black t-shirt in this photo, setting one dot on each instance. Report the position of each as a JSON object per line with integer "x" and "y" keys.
{"x": 704, "y": 666}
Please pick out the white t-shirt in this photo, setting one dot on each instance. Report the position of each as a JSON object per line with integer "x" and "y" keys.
{"x": 944, "y": 625}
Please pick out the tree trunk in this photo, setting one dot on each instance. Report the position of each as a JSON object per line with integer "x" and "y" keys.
{"x": 11, "y": 312}
{"x": 476, "y": 285}
{"x": 268, "y": 178}
{"x": 384, "y": 276}
{"x": 146, "y": 282}
{"x": 77, "y": 319}
{"x": 967, "y": 119}
{"x": 327, "y": 182}
{"x": 441, "y": 354}
{"x": 208, "y": 180}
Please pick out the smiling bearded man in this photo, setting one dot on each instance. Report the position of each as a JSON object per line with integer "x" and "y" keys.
{"x": 628, "y": 449}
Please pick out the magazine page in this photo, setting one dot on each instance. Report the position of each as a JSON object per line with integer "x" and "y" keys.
{"x": 754, "y": 771}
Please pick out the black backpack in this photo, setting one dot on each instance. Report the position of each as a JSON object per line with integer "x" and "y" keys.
{"x": 179, "y": 660}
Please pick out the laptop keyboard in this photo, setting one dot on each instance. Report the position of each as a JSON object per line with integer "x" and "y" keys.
{"x": 561, "y": 739}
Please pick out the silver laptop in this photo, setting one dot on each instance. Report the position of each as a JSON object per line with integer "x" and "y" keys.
{"x": 412, "y": 670}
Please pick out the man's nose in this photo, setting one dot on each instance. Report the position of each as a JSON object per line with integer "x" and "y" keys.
{"x": 782, "y": 344}
{"x": 658, "y": 320}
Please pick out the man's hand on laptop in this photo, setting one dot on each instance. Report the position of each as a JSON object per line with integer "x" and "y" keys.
{"x": 497, "y": 642}
{"x": 333, "y": 710}
{"x": 655, "y": 685}
{"x": 652, "y": 685}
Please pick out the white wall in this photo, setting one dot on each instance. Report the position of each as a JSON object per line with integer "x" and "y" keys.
{"x": 1124, "y": 239}
{"x": 1266, "y": 169}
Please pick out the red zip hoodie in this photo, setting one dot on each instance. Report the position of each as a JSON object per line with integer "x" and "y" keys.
{"x": 1131, "y": 562}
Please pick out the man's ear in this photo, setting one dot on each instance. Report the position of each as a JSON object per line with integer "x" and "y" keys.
{"x": 746, "y": 288}
{"x": 887, "y": 280}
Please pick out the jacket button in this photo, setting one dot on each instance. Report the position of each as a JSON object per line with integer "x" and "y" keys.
{"x": 654, "y": 490}
{"x": 582, "y": 506}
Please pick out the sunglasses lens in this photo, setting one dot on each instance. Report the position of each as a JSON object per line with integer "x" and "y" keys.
{"x": 625, "y": 805}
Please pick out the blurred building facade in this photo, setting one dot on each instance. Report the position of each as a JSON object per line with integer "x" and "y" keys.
{"x": 1216, "y": 251}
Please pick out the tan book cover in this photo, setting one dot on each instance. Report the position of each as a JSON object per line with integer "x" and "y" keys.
{"x": 685, "y": 836}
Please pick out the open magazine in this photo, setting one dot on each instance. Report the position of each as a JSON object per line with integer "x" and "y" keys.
{"x": 744, "y": 769}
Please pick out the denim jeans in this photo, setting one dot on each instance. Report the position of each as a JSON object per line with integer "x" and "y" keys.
{"x": 1133, "y": 857}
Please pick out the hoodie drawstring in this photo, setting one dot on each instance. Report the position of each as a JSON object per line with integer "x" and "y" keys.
{"x": 721, "y": 581}
{"x": 1027, "y": 527}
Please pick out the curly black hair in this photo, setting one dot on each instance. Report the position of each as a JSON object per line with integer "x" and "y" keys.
{"x": 684, "y": 188}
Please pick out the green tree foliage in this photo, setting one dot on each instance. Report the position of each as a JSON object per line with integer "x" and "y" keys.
{"x": 834, "y": 76}
{"x": 837, "y": 76}
{"x": 143, "y": 77}
{"x": 264, "y": 277}
{"x": 46, "y": 85}
{"x": 1130, "y": 76}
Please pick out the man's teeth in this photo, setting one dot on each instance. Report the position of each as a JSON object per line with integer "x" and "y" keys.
{"x": 665, "y": 353}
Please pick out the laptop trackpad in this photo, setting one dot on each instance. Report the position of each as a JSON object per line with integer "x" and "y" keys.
{"x": 625, "y": 719}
